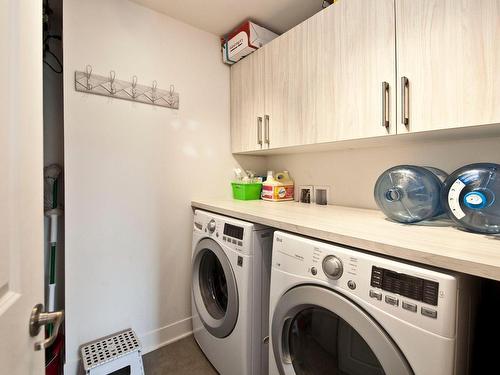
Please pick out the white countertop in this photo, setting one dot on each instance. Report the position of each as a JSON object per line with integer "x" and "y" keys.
{"x": 433, "y": 243}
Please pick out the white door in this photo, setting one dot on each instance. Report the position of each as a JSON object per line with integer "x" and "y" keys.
{"x": 21, "y": 186}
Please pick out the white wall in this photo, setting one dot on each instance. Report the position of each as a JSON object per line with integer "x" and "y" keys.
{"x": 132, "y": 169}
{"x": 351, "y": 174}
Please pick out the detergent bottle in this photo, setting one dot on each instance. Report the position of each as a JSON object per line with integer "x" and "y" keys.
{"x": 278, "y": 188}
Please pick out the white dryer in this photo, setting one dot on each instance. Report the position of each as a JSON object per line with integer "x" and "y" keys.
{"x": 336, "y": 310}
{"x": 231, "y": 264}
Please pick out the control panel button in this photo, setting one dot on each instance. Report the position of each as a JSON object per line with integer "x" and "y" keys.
{"x": 211, "y": 226}
{"x": 332, "y": 267}
{"x": 314, "y": 271}
{"x": 409, "y": 306}
{"x": 240, "y": 243}
{"x": 351, "y": 284}
{"x": 429, "y": 313}
{"x": 376, "y": 295}
{"x": 234, "y": 241}
{"x": 391, "y": 300}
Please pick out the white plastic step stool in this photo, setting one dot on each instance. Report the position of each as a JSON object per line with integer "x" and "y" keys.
{"x": 113, "y": 353}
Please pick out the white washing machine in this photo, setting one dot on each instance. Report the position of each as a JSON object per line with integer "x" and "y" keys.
{"x": 230, "y": 292}
{"x": 335, "y": 310}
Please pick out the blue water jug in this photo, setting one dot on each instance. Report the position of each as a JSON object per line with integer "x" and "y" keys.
{"x": 409, "y": 193}
{"x": 470, "y": 196}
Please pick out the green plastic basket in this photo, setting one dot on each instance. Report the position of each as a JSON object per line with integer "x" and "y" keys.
{"x": 246, "y": 192}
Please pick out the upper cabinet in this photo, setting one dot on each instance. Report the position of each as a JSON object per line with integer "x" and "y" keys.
{"x": 353, "y": 49}
{"x": 290, "y": 88}
{"x": 247, "y": 103}
{"x": 368, "y": 68}
{"x": 448, "y": 63}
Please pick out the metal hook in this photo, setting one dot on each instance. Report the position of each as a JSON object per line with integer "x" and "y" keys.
{"x": 153, "y": 90}
{"x": 112, "y": 75}
{"x": 134, "y": 85}
{"x": 171, "y": 100}
{"x": 88, "y": 73}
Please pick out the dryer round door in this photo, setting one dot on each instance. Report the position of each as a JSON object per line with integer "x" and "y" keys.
{"x": 215, "y": 291}
{"x": 318, "y": 331}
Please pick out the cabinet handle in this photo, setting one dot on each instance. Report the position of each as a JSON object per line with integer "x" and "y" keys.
{"x": 266, "y": 129}
{"x": 259, "y": 130}
{"x": 405, "y": 101}
{"x": 385, "y": 104}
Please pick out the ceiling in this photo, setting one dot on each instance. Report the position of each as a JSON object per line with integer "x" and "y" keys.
{"x": 220, "y": 16}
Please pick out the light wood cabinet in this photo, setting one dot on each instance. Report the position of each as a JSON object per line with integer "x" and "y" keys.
{"x": 247, "y": 103}
{"x": 449, "y": 50}
{"x": 290, "y": 92}
{"x": 354, "y": 44}
{"x": 323, "y": 80}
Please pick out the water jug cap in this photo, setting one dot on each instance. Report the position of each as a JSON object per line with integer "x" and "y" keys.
{"x": 475, "y": 200}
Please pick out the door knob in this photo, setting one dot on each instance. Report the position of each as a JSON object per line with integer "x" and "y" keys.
{"x": 40, "y": 318}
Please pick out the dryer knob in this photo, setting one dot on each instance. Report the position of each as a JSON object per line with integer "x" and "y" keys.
{"x": 332, "y": 267}
{"x": 211, "y": 226}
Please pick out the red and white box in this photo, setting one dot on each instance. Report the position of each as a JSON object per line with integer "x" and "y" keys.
{"x": 243, "y": 40}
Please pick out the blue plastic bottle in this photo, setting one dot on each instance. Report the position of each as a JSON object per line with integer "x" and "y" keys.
{"x": 470, "y": 197}
{"x": 409, "y": 193}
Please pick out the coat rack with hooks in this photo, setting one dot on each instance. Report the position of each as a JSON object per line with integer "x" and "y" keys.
{"x": 110, "y": 86}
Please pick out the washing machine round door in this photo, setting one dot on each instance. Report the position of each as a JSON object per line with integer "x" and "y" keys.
{"x": 318, "y": 331}
{"x": 215, "y": 291}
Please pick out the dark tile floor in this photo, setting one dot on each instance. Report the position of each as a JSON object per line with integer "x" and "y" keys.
{"x": 183, "y": 357}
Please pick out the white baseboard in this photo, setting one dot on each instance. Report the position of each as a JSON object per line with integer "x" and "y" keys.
{"x": 150, "y": 341}
{"x": 166, "y": 335}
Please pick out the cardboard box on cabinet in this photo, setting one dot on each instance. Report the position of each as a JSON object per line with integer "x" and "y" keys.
{"x": 243, "y": 40}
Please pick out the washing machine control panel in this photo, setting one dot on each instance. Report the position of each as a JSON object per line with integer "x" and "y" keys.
{"x": 233, "y": 233}
{"x": 421, "y": 296}
{"x": 415, "y": 288}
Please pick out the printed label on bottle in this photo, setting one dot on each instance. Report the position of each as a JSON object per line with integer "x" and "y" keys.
{"x": 283, "y": 192}
{"x": 454, "y": 199}
{"x": 267, "y": 192}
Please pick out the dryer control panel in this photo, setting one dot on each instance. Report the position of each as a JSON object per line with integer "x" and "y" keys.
{"x": 233, "y": 233}
{"x": 424, "y": 297}
{"x": 416, "y": 288}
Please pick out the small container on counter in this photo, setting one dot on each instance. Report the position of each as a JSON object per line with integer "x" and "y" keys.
{"x": 246, "y": 186}
{"x": 278, "y": 188}
{"x": 246, "y": 191}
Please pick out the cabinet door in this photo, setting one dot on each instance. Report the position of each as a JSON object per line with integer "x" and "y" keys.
{"x": 355, "y": 48}
{"x": 290, "y": 95}
{"x": 247, "y": 103}
{"x": 449, "y": 50}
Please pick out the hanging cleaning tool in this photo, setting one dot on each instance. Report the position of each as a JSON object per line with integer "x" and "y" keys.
{"x": 52, "y": 210}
